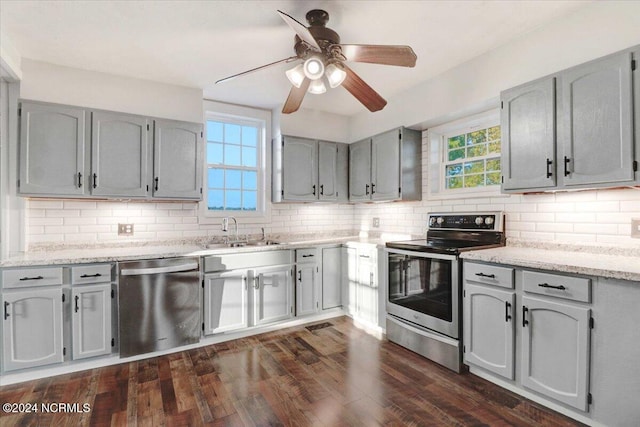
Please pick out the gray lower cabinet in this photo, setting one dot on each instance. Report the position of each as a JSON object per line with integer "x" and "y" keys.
{"x": 225, "y": 301}
{"x": 119, "y": 155}
{"x": 52, "y": 150}
{"x": 489, "y": 329}
{"x": 272, "y": 294}
{"x": 32, "y": 328}
{"x": 555, "y": 350}
{"x": 331, "y": 278}
{"x": 91, "y": 320}
{"x": 307, "y": 289}
{"x": 177, "y": 160}
{"x": 386, "y": 167}
{"x": 360, "y": 274}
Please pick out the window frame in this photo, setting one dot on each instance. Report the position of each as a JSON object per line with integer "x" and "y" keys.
{"x": 437, "y": 139}
{"x": 241, "y": 115}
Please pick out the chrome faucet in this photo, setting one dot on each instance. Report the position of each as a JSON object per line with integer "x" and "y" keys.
{"x": 225, "y": 228}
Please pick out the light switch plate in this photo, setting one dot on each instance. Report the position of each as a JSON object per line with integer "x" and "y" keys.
{"x": 125, "y": 229}
{"x": 635, "y": 228}
{"x": 376, "y": 222}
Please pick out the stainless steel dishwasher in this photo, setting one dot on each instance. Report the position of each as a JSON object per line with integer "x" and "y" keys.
{"x": 159, "y": 304}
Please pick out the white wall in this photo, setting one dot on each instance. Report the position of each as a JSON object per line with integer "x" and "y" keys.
{"x": 52, "y": 83}
{"x": 593, "y": 31}
{"x": 313, "y": 124}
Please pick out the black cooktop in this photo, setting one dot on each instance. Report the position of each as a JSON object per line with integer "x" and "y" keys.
{"x": 452, "y": 247}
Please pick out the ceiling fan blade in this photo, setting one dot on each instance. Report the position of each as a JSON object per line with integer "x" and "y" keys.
{"x": 402, "y": 56}
{"x": 362, "y": 91}
{"x": 295, "y": 97}
{"x": 291, "y": 58}
{"x": 300, "y": 30}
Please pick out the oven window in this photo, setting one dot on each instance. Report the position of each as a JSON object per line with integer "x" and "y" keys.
{"x": 421, "y": 284}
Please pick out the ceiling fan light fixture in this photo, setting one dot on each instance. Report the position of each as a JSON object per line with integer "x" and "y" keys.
{"x": 296, "y": 75}
{"x": 313, "y": 68}
{"x": 317, "y": 87}
{"x": 335, "y": 75}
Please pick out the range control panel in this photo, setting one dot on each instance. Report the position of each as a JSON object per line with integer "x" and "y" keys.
{"x": 490, "y": 221}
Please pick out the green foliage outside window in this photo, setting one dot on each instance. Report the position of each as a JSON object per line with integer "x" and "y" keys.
{"x": 473, "y": 159}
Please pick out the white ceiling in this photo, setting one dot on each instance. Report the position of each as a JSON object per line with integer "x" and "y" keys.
{"x": 195, "y": 43}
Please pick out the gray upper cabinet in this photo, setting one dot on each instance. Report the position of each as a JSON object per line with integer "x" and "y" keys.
{"x": 386, "y": 167}
{"x": 528, "y": 135}
{"x": 177, "y": 160}
{"x": 119, "y": 150}
{"x": 308, "y": 170}
{"x": 52, "y": 150}
{"x": 597, "y": 122}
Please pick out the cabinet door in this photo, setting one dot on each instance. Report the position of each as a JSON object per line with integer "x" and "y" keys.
{"x": 52, "y": 150}
{"x": 349, "y": 279}
{"x": 528, "y": 123}
{"x": 331, "y": 275}
{"x": 306, "y": 299}
{"x": 32, "y": 330}
{"x": 360, "y": 170}
{"x": 385, "y": 166}
{"x": 177, "y": 160}
{"x": 119, "y": 150}
{"x": 225, "y": 302}
{"x": 91, "y": 320}
{"x": 327, "y": 170}
{"x": 367, "y": 289}
{"x": 597, "y": 123}
{"x": 488, "y": 329}
{"x": 555, "y": 350}
{"x": 272, "y": 294}
{"x": 300, "y": 169}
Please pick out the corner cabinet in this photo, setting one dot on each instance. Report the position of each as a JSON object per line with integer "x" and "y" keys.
{"x": 309, "y": 170}
{"x": 386, "y": 167}
{"x": 81, "y": 153}
{"x": 589, "y": 109}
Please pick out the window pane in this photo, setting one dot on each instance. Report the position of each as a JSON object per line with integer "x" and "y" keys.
{"x": 477, "y": 150}
{"x": 249, "y": 136}
{"x": 474, "y": 167}
{"x": 232, "y": 133}
{"x": 477, "y": 137}
{"x": 214, "y": 131}
{"x": 234, "y": 179}
{"x": 233, "y": 200}
{"x": 232, "y": 155}
{"x": 494, "y": 133}
{"x": 249, "y": 156}
{"x": 214, "y": 153}
{"x": 456, "y": 142}
{"x": 249, "y": 180}
{"x": 456, "y": 154}
{"x": 455, "y": 182}
{"x": 474, "y": 180}
{"x": 453, "y": 170}
{"x": 249, "y": 200}
{"x": 215, "y": 178}
{"x": 493, "y": 164}
{"x": 493, "y": 178}
{"x": 494, "y": 147}
{"x": 215, "y": 200}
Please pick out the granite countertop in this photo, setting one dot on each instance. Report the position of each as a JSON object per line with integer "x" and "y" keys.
{"x": 601, "y": 261}
{"x": 85, "y": 255}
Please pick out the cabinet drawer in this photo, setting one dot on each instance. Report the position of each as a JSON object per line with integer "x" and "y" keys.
{"x": 306, "y": 255}
{"x": 572, "y": 288}
{"x": 96, "y": 273}
{"x": 489, "y": 274}
{"x": 26, "y": 277}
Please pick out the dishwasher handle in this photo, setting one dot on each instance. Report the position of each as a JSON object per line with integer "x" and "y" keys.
{"x": 159, "y": 270}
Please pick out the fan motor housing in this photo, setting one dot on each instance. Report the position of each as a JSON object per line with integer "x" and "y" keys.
{"x": 317, "y": 20}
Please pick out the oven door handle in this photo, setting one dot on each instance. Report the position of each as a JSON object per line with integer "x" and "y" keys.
{"x": 416, "y": 254}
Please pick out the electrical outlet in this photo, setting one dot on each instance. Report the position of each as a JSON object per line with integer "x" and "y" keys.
{"x": 635, "y": 228}
{"x": 125, "y": 229}
{"x": 376, "y": 222}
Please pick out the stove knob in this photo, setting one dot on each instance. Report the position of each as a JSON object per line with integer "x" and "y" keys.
{"x": 432, "y": 221}
{"x": 479, "y": 220}
{"x": 440, "y": 220}
{"x": 488, "y": 220}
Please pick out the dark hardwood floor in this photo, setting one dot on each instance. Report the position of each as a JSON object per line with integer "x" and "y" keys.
{"x": 325, "y": 374}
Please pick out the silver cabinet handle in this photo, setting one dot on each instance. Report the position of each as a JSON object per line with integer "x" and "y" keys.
{"x": 256, "y": 282}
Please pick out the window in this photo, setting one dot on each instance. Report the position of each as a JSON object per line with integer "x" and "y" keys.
{"x": 464, "y": 157}
{"x": 232, "y": 165}
{"x": 236, "y": 159}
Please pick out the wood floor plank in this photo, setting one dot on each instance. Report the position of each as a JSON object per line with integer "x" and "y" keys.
{"x": 327, "y": 376}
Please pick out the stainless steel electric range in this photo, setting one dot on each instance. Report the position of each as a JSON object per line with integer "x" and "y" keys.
{"x": 424, "y": 290}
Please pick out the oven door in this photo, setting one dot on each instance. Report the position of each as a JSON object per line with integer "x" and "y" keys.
{"x": 423, "y": 288}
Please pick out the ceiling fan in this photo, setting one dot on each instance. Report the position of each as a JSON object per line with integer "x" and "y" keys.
{"x": 322, "y": 55}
